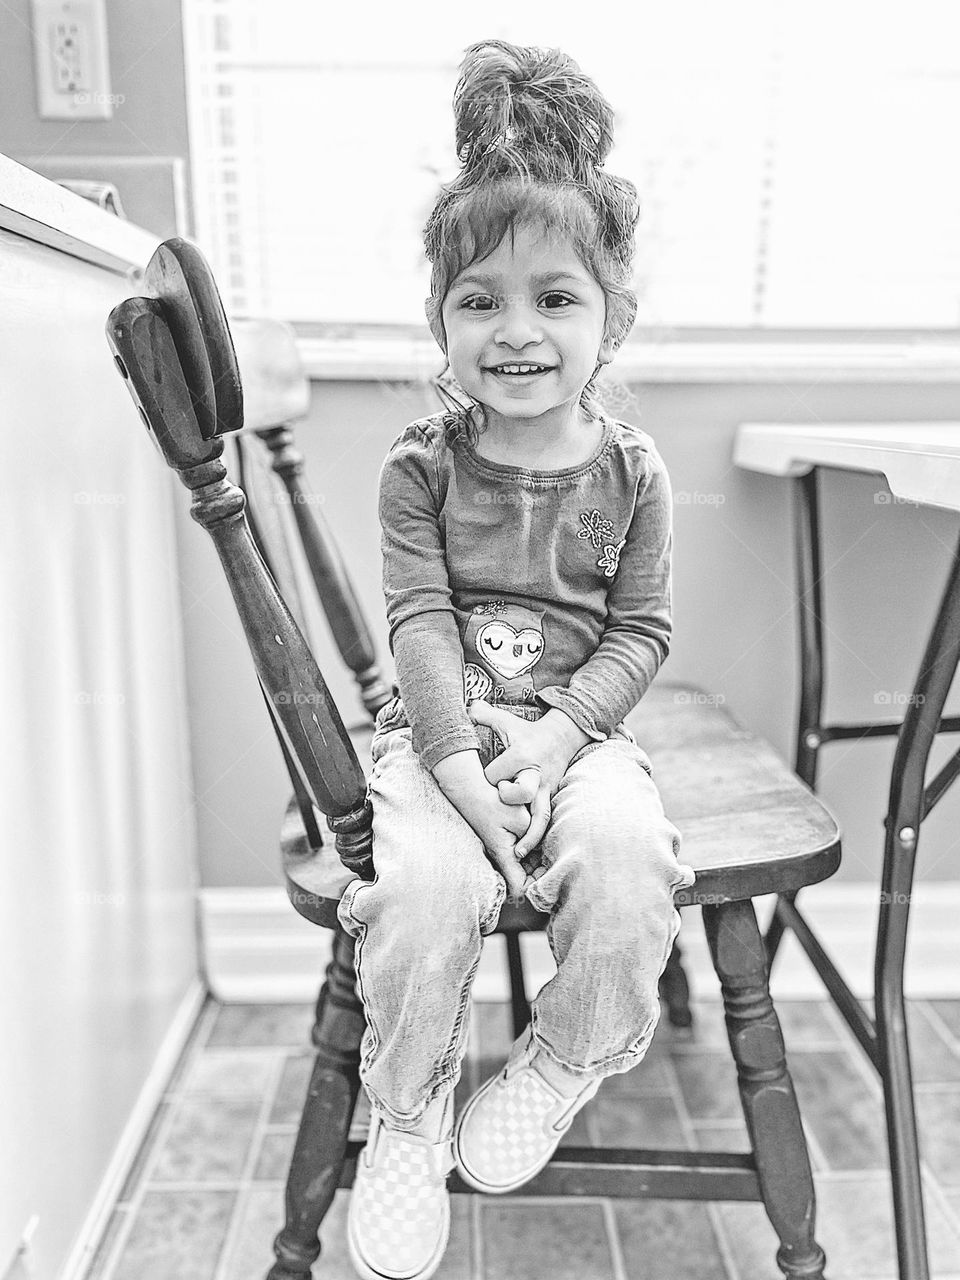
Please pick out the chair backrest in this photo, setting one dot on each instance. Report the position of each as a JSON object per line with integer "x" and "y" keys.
{"x": 146, "y": 339}
{"x": 276, "y": 394}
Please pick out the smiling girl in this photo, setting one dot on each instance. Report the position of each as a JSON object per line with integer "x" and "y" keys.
{"x": 527, "y": 546}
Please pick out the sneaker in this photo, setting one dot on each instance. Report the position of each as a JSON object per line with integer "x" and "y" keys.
{"x": 398, "y": 1222}
{"x": 513, "y": 1124}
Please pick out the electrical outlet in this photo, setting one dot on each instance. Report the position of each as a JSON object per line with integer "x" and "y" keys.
{"x": 71, "y": 60}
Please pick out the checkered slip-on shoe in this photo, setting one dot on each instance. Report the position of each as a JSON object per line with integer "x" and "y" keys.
{"x": 513, "y": 1124}
{"x": 398, "y": 1222}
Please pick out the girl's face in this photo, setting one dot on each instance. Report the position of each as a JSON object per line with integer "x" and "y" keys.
{"x": 533, "y": 303}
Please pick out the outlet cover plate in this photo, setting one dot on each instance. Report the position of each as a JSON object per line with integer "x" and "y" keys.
{"x": 71, "y": 60}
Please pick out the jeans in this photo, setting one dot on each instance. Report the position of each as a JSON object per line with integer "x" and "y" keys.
{"x": 611, "y": 858}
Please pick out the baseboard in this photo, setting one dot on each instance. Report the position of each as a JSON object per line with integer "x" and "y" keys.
{"x": 257, "y": 949}
{"x": 134, "y": 1132}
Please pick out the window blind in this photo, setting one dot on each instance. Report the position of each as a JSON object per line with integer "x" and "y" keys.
{"x": 795, "y": 162}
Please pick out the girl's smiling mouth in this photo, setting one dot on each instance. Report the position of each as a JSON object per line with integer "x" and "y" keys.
{"x": 525, "y": 369}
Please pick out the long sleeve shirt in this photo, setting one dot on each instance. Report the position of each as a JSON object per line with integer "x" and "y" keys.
{"x": 547, "y": 587}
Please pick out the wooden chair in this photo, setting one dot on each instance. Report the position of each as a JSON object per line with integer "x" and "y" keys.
{"x": 750, "y": 826}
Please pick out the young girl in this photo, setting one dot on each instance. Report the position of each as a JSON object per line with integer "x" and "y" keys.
{"x": 526, "y": 547}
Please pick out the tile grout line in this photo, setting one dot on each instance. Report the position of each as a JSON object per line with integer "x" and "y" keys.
{"x": 476, "y": 1250}
{"x": 875, "y": 1085}
{"x": 170, "y": 1097}
{"x": 813, "y": 1046}
{"x": 938, "y": 1024}
{"x": 814, "y": 1148}
{"x": 613, "y": 1240}
{"x": 606, "y": 1206}
{"x": 936, "y": 1192}
{"x": 929, "y": 1183}
{"x": 713, "y": 1213}
{"x": 246, "y": 1183}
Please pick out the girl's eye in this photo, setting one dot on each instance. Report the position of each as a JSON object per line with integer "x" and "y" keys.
{"x": 484, "y": 302}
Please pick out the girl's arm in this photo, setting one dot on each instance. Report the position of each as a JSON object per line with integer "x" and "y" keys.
{"x": 425, "y": 643}
{"x": 636, "y": 635}
{"x": 424, "y": 638}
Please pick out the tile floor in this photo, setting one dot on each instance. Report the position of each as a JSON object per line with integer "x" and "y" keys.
{"x": 205, "y": 1197}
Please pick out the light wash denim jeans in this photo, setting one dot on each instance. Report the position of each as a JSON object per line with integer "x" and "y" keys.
{"x": 612, "y": 869}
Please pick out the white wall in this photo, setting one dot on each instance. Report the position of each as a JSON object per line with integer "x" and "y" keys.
{"x": 97, "y": 934}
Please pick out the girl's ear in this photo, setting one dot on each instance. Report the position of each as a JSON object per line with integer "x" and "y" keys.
{"x": 607, "y": 350}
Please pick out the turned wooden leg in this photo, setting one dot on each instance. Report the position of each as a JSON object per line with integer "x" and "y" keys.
{"x": 675, "y": 990}
{"x": 325, "y": 1124}
{"x": 766, "y": 1090}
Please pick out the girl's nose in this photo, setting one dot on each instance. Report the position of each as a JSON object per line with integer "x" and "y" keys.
{"x": 518, "y": 326}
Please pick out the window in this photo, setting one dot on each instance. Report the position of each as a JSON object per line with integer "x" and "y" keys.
{"x": 795, "y": 162}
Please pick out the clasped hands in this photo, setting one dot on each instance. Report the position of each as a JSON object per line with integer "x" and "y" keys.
{"x": 513, "y": 820}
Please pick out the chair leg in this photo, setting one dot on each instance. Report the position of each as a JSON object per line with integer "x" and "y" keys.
{"x": 902, "y": 1137}
{"x": 766, "y": 1090}
{"x": 675, "y": 990}
{"x": 519, "y": 1004}
{"x": 325, "y": 1124}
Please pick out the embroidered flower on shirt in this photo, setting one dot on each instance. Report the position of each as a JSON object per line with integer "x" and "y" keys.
{"x": 610, "y": 560}
{"x": 600, "y": 532}
{"x": 595, "y": 527}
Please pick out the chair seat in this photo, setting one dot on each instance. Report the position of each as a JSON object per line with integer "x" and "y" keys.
{"x": 750, "y": 826}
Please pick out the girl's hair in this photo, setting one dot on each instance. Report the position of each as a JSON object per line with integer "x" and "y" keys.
{"x": 532, "y": 132}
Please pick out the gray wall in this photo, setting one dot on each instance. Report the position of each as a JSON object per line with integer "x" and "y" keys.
{"x": 734, "y": 615}
{"x": 145, "y": 40}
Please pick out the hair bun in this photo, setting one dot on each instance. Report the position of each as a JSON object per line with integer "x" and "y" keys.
{"x": 512, "y": 102}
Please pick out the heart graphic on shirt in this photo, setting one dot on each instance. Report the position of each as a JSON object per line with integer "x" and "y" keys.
{"x": 508, "y": 651}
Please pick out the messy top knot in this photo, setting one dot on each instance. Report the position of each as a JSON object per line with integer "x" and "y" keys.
{"x": 532, "y": 132}
{"x": 513, "y": 105}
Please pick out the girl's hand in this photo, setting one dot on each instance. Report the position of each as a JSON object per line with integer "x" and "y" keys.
{"x": 496, "y": 823}
{"x": 531, "y": 767}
